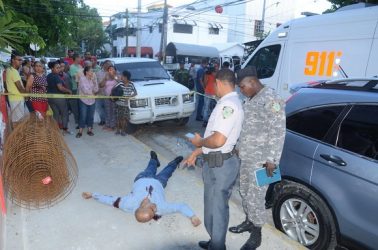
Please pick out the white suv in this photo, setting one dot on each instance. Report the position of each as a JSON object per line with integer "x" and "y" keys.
{"x": 158, "y": 97}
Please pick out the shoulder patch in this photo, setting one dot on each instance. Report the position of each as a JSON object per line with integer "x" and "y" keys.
{"x": 276, "y": 106}
{"x": 227, "y": 112}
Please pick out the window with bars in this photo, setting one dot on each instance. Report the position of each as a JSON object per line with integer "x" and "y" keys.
{"x": 182, "y": 28}
{"x": 214, "y": 31}
{"x": 258, "y": 27}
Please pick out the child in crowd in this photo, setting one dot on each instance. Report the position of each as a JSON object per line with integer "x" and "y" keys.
{"x": 124, "y": 88}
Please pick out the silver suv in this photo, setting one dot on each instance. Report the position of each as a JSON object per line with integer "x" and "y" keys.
{"x": 329, "y": 166}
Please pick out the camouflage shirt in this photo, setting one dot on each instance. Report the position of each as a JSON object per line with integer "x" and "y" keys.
{"x": 264, "y": 128}
{"x": 182, "y": 76}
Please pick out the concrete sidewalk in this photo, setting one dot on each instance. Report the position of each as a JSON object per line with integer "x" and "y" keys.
{"x": 108, "y": 164}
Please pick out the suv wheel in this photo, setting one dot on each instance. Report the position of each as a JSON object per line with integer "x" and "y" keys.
{"x": 303, "y": 216}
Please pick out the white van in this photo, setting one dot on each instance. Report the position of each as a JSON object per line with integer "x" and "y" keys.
{"x": 158, "y": 96}
{"x": 336, "y": 45}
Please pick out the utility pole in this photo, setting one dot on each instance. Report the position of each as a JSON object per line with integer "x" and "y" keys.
{"x": 138, "y": 49}
{"x": 163, "y": 42}
{"x": 111, "y": 37}
{"x": 263, "y": 18}
{"x": 127, "y": 33}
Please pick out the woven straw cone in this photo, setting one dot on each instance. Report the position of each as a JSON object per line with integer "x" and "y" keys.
{"x": 33, "y": 151}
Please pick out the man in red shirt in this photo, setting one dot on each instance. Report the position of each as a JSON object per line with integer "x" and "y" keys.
{"x": 210, "y": 102}
{"x": 69, "y": 58}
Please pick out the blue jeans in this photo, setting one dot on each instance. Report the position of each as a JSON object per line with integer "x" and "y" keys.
{"x": 163, "y": 176}
{"x": 86, "y": 114}
{"x": 100, "y": 108}
{"x": 208, "y": 108}
{"x": 199, "y": 89}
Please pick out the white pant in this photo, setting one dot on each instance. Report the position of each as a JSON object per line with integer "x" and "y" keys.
{"x": 18, "y": 110}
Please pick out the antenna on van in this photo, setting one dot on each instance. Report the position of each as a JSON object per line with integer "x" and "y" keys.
{"x": 343, "y": 72}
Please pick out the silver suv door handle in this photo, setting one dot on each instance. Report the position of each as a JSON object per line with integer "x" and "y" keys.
{"x": 334, "y": 159}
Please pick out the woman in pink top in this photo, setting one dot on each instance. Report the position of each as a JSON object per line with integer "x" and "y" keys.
{"x": 110, "y": 119}
{"x": 87, "y": 86}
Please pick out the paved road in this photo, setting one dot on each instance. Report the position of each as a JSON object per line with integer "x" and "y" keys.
{"x": 108, "y": 164}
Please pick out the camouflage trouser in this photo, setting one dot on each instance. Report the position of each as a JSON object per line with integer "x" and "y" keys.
{"x": 253, "y": 197}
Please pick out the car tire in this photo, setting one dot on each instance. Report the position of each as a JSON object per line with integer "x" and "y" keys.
{"x": 297, "y": 210}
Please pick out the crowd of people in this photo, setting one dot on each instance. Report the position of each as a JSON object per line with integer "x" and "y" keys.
{"x": 202, "y": 80}
{"x": 76, "y": 76}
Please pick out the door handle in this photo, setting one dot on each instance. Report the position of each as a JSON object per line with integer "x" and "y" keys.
{"x": 334, "y": 159}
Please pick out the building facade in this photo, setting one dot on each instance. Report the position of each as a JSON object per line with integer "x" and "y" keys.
{"x": 202, "y": 23}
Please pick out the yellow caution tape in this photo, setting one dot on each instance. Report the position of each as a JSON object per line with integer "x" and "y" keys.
{"x": 67, "y": 96}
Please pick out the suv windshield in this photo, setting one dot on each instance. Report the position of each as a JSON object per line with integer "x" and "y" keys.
{"x": 143, "y": 70}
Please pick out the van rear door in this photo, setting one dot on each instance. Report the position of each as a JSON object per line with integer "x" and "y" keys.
{"x": 268, "y": 60}
{"x": 372, "y": 67}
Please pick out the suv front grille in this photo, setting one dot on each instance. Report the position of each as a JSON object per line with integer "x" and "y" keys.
{"x": 165, "y": 101}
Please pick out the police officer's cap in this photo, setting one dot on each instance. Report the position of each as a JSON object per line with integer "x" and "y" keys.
{"x": 246, "y": 72}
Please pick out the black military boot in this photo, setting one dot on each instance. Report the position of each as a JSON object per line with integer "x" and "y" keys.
{"x": 254, "y": 240}
{"x": 243, "y": 227}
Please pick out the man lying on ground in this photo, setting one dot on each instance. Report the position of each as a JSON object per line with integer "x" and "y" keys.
{"x": 147, "y": 199}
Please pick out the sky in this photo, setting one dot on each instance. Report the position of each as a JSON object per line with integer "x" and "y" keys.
{"x": 110, "y": 7}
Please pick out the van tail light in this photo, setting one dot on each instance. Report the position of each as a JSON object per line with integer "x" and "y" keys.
{"x": 291, "y": 97}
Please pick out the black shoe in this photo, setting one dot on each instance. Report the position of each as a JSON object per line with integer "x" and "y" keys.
{"x": 102, "y": 123}
{"x": 178, "y": 159}
{"x": 268, "y": 204}
{"x": 254, "y": 240}
{"x": 155, "y": 157}
{"x": 204, "y": 244}
{"x": 243, "y": 227}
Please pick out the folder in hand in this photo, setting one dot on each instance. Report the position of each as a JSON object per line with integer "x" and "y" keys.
{"x": 263, "y": 179}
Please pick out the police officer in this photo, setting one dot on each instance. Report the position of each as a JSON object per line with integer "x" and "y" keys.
{"x": 221, "y": 166}
{"x": 260, "y": 145}
{"x": 182, "y": 75}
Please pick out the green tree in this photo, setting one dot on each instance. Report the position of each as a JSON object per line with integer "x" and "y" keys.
{"x": 59, "y": 22}
{"x": 90, "y": 30}
{"x": 336, "y": 4}
{"x": 15, "y": 33}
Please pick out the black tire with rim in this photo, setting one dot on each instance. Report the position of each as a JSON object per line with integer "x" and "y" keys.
{"x": 303, "y": 215}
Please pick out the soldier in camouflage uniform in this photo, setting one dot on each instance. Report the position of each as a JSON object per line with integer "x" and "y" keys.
{"x": 182, "y": 75}
{"x": 260, "y": 144}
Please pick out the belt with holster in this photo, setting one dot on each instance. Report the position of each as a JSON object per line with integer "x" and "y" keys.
{"x": 216, "y": 158}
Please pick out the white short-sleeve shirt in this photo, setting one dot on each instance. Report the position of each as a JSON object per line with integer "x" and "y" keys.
{"x": 227, "y": 119}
